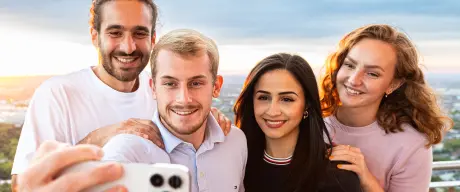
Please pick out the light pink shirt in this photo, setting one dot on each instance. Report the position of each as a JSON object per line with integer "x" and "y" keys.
{"x": 400, "y": 161}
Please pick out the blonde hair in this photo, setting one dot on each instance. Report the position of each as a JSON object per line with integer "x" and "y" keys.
{"x": 186, "y": 42}
{"x": 413, "y": 103}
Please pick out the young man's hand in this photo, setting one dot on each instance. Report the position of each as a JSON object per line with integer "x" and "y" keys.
{"x": 53, "y": 157}
{"x": 140, "y": 127}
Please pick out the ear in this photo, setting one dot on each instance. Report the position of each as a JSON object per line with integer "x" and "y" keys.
{"x": 152, "y": 86}
{"x": 217, "y": 86}
{"x": 154, "y": 36}
{"x": 395, "y": 84}
{"x": 94, "y": 37}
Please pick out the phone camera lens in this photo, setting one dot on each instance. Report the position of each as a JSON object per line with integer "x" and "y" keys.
{"x": 156, "y": 180}
{"x": 175, "y": 182}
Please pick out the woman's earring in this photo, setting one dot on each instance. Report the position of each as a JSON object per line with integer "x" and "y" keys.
{"x": 305, "y": 114}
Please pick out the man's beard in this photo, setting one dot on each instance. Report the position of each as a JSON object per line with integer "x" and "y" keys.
{"x": 122, "y": 74}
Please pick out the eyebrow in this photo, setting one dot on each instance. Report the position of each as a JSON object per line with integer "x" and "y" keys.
{"x": 365, "y": 65}
{"x": 110, "y": 27}
{"x": 168, "y": 77}
{"x": 192, "y": 78}
{"x": 281, "y": 93}
{"x": 198, "y": 77}
{"x": 136, "y": 28}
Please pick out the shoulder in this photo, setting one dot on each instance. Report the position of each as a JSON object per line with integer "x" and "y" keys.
{"x": 237, "y": 135}
{"x": 134, "y": 149}
{"x": 340, "y": 180}
{"x": 236, "y": 142}
{"x": 412, "y": 135}
{"x": 57, "y": 84}
{"x": 409, "y": 148}
{"x": 328, "y": 121}
{"x": 409, "y": 141}
{"x": 128, "y": 141}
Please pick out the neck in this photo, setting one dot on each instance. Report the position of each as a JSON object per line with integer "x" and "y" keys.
{"x": 122, "y": 86}
{"x": 357, "y": 117}
{"x": 196, "y": 138}
{"x": 282, "y": 147}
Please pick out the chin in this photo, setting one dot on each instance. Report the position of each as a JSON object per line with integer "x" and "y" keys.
{"x": 273, "y": 134}
{"x": 186, "y": 129}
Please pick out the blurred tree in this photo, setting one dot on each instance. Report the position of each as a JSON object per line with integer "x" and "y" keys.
{"x": 5, "y": 170}
{"x": 9, "y": 136}
{"x": 436, "y": 178}
{"x": 440, "y": 158}
{"x": 452, "y": 145}
{"x": 5, "y": 188}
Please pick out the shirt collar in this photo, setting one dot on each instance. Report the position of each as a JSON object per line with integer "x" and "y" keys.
{"x": 213, "y": 134}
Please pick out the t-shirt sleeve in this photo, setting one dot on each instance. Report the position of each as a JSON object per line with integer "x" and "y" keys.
{"x": 414, "y": 173}
{"x": 245, "y": 156}
{"x": 45, "y": 119}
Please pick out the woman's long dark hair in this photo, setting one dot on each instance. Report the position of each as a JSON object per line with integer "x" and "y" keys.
{"x": 309, "y": 163}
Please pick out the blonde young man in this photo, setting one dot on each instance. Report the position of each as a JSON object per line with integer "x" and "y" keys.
{"x": 184, "y": 81}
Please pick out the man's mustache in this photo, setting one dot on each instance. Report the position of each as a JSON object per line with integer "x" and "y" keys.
{"x": 135, "y": 53}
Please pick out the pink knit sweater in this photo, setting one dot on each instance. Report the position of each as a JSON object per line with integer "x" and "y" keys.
{"x": 400, "y": 161}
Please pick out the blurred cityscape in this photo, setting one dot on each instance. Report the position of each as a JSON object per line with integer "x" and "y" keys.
{"x": 15, "y": 94}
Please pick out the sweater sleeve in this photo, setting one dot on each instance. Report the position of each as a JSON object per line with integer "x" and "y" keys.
{"x": 413, "y": 173}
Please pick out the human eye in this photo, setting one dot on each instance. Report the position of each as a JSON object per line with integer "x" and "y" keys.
{"x": 287, "y": 99}
{"x": 262, "y": 97}
{"x": 349, "y": 65}
{"x": 115, "y": 33}
{"x": 373, "y": 74}
{"x": 169, "y": 84}
{"x": 141, "y": 34}
{"x": 196, "y": 84}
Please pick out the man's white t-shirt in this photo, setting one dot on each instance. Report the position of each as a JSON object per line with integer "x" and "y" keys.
{"x": 67, "y": 108}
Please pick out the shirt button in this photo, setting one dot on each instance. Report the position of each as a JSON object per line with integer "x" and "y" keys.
{"x": 201, "y": 174}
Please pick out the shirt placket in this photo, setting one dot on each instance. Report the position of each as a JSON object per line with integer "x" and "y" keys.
{"x": 201, "y": 168}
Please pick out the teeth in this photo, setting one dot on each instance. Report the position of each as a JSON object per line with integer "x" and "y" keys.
{"x": 353, "y": 92}
{"x": 274, "y": 122}
{"x": 183, "y": 112}
{"x": 125, "y": 60}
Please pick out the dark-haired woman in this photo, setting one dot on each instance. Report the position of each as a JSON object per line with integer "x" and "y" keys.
{"x": 279, "y": 111}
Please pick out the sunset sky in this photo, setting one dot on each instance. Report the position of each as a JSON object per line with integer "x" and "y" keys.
{"x": 49, "y": 37}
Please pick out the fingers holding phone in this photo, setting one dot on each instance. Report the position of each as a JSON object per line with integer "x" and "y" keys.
{"x": 53, "y": 157}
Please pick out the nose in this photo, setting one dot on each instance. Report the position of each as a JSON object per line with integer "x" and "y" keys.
{"x": 274, "y": 109}
{"x": 128, "y": 45}
{"x": 183, "y": 95}
{"x": 356, "y": 78}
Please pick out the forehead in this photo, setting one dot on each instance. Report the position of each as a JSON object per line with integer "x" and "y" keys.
{"x": 126, "y": 13}
{"x": 374, "y": 52}
{"x": 277, "y": 81}
{"x": 182, "y": 66}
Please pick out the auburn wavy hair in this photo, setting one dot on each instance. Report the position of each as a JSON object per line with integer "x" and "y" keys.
{"x": 414, "y": 102}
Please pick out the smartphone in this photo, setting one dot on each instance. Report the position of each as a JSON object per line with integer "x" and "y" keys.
{"x": 159, "y": 177}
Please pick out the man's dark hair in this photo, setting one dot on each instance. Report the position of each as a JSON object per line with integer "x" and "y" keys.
{"x": 96, "y": 7}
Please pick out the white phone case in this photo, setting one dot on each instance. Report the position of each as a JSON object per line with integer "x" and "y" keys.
{"x": 140, "y": 177}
